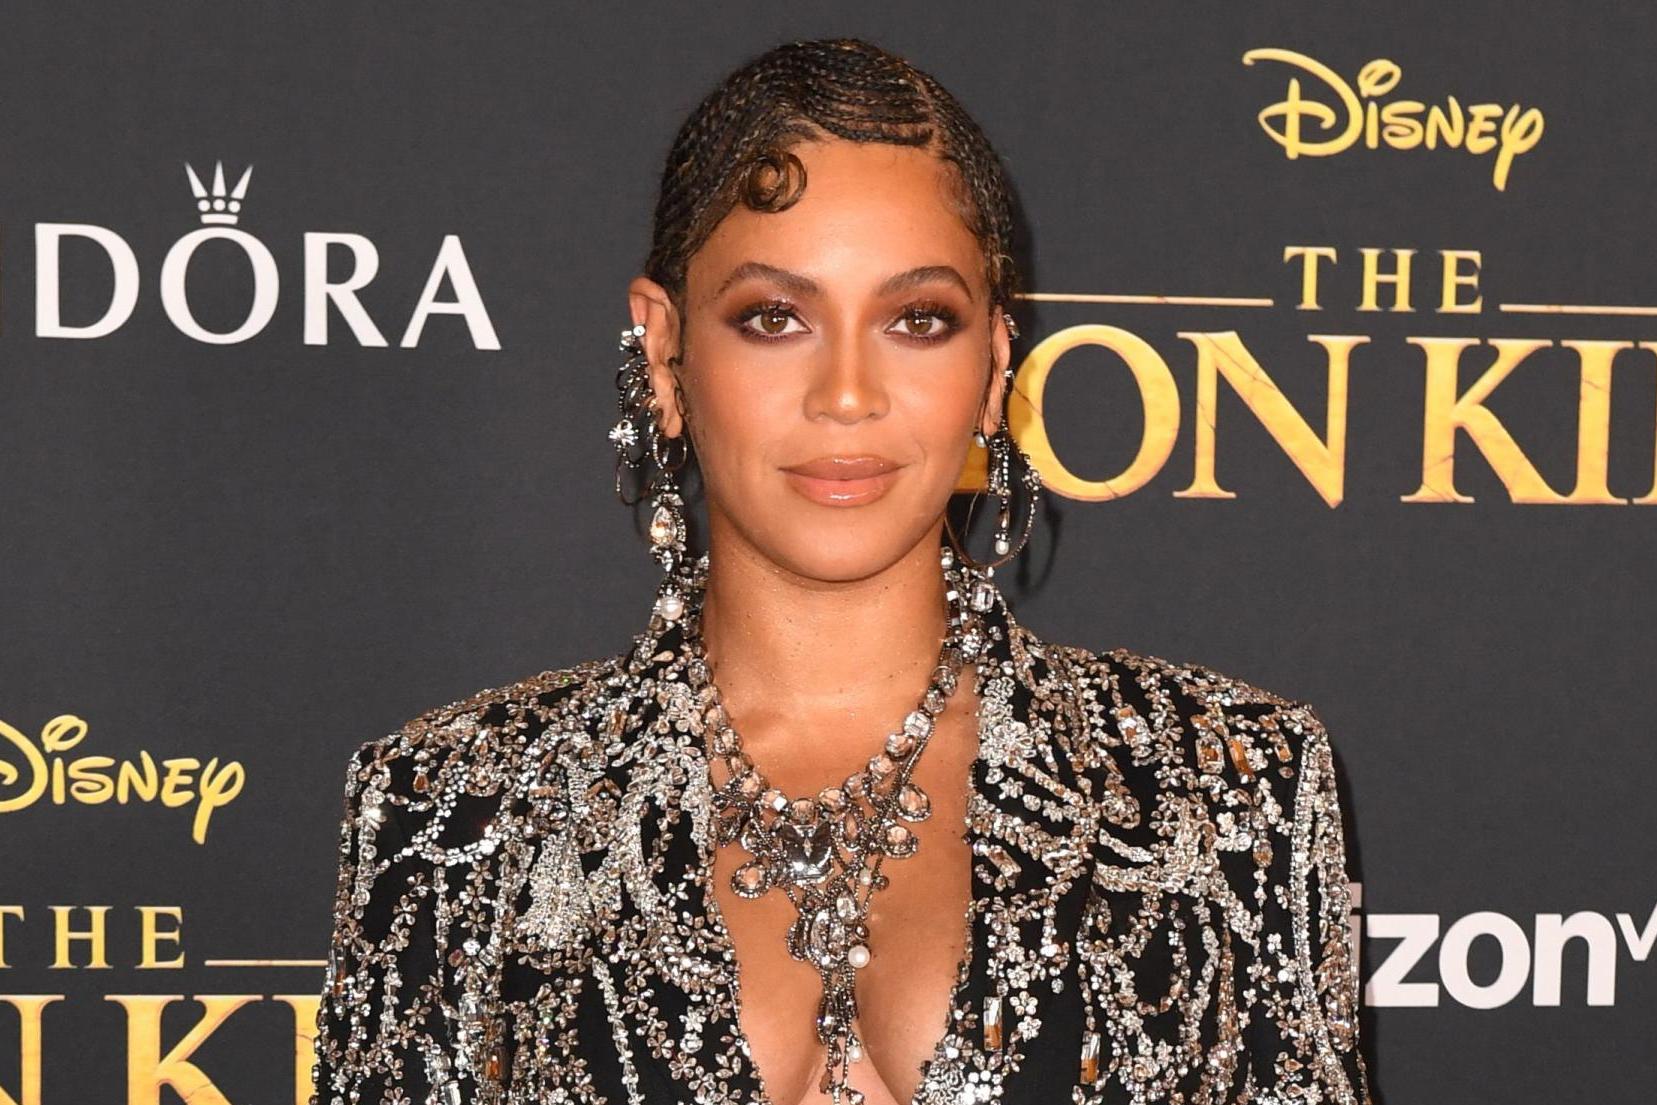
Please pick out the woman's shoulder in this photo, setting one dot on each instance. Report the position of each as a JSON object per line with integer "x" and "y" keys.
{"x": 1210, "y": 690}
{"x": 495, "y": 724}
{"x": 1216, "y": 717}
{"x": 1188, "y": 682}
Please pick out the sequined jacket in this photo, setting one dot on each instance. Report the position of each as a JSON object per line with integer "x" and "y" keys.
{"x": 1159, "y": 912}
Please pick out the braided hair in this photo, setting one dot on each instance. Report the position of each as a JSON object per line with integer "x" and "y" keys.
{"x": 735, "y": 147}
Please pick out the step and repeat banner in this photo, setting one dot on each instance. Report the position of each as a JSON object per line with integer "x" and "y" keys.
{"x": 1340, "y": 364}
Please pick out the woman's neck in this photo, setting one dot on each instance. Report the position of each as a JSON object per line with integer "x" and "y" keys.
{"x": 783, "y": 646}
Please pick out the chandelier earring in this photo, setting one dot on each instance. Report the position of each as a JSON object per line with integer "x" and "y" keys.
{"x": 1000, "y": 483}
{"x": 650, "y": 460}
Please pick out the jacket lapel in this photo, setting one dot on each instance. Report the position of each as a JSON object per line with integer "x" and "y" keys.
{"x": 679, "y": 1011}
{"x": 1031, "y": 827}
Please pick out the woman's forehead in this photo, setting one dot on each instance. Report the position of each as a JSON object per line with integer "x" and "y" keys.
{"x": 872, "y": 208}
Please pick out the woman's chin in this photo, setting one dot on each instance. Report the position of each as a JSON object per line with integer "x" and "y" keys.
{"x": 836, "y": 558}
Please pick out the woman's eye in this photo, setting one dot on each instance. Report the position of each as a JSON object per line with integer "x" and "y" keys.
{"x": 924, "y": 324}
{"x": 771, "y": 322}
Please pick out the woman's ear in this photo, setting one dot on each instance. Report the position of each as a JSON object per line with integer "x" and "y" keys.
{"x": 650, "y": 304}
{"x": 1001, "y": 356}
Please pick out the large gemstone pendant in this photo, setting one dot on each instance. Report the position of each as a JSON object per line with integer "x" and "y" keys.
{"x": 808, "y": 851}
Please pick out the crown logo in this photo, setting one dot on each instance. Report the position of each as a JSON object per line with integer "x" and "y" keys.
{"x": 217, "y": 207}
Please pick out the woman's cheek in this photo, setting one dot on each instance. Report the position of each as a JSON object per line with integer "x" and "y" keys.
{"x": 736, "y": 458}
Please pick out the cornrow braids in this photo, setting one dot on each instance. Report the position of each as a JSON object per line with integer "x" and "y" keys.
{"x": 735, "y": 147}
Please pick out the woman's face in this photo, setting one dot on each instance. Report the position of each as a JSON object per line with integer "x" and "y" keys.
{"x": 837, "y": 358}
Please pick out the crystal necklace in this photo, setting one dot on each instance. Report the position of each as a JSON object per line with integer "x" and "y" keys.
{"x": 825, "y": 851}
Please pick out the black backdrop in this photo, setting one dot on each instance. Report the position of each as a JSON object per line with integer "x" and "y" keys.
{"x": 247, "y": 557}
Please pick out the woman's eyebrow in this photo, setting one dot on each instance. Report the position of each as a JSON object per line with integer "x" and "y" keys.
{"x": 799, "y": 284}
{"x": 793, "y": 282}
{"x": 917, "y": 276}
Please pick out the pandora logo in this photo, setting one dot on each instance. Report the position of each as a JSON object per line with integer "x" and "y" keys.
{"x": 220, "y": 210}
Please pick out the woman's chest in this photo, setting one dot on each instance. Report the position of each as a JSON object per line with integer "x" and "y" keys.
{"x": 917, "y": 943}
{"x": 918, "y": 939}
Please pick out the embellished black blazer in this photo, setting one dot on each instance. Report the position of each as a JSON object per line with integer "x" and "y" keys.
{"x": 1159, "y": 913}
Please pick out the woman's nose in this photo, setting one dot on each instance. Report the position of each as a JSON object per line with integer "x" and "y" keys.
{"x": 847, "y": 381}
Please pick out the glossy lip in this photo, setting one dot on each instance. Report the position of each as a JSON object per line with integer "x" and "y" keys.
{"x": 840, "y": 480}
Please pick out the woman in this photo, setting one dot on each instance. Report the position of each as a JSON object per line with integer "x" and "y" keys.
{"x": 718, "y": 867}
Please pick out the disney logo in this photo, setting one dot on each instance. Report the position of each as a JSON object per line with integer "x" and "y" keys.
{"x": 91, "y": 780}
{"x": 1354, "y": 113}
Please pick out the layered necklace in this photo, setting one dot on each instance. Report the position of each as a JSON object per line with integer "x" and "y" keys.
{"x": 824, "y": 851}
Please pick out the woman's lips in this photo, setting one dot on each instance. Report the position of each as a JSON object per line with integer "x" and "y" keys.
{"x": 843, "y": 480}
